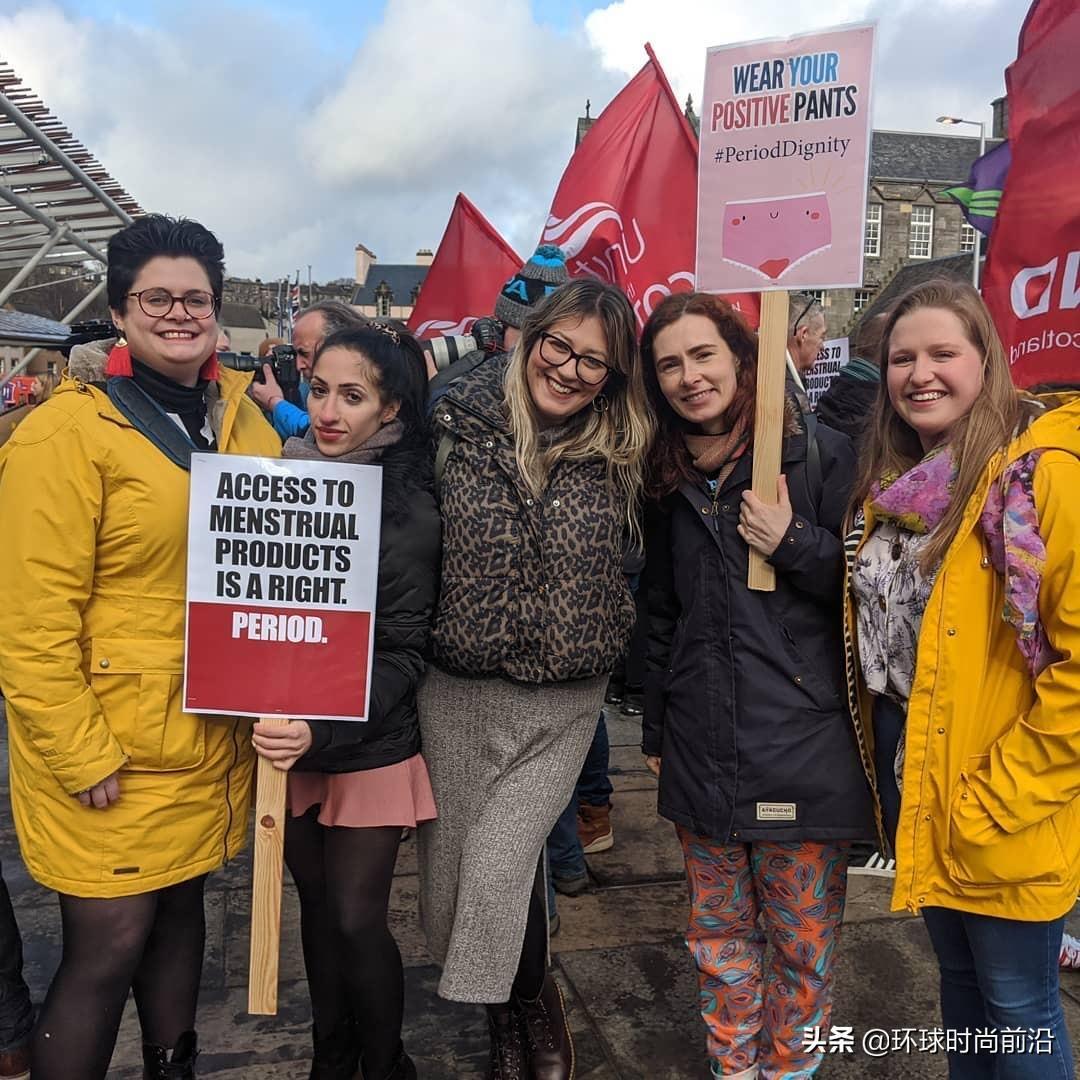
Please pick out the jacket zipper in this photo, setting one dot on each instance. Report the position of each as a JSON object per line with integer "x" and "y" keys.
{"x": 228, "y": 795}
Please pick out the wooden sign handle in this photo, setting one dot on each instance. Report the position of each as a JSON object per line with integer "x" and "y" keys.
{"x": 266, "y": 894}
{"x": 769, "y": 418}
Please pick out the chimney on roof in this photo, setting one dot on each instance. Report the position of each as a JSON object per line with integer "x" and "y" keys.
{"x": 1000, "y": 128}
{"x": 365, "y": 259}
{"x": 424, "y": 257}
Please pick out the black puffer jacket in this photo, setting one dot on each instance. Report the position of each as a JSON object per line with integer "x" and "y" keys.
{"x": 409, "y": 546}
{"x": 745, "y": 693}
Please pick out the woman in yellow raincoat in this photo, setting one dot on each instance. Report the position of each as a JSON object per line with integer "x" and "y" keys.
{"x": 122, "y": 801}
{"x": 964, "y": 616}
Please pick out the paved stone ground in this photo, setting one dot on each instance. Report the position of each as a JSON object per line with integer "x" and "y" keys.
{"x": 619, "y": 956}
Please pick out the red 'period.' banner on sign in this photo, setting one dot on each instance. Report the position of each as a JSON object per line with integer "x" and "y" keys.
{"x": 626, "y": 207}
{"x": 471, "y": 266}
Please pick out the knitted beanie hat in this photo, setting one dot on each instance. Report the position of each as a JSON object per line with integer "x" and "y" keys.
{"x": 541, "y": 275}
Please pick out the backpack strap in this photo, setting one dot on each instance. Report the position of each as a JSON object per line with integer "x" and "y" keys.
{"x": 147, "y": 417}
{"x": 447, "y": 442}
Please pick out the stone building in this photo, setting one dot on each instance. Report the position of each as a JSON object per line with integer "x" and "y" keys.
{"x": 388, "y": 290}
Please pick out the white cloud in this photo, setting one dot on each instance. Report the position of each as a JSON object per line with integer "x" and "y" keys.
{"x": 293, "y": 155}
{"x": 947, "y": 56}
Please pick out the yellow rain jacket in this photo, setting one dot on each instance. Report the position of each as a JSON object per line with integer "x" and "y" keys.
{"x": 92, "y": 585}
{"x": 990, "y": 815}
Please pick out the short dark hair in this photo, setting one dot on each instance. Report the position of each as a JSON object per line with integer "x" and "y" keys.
{"x": 399, "y": 366}
{"x": 336, "y": 314}
{"x": 146, "y": 238}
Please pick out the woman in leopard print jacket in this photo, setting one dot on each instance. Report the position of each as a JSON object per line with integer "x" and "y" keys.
{"x": 539, "y": 497}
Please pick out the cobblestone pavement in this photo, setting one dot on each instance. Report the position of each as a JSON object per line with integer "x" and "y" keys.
{"x": 619, "y": 955}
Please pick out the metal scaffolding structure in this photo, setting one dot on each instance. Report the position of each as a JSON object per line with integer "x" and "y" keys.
{"x": 58, "y": 204}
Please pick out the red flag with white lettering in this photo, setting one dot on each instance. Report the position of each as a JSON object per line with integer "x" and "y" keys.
{"x": 626, "y": 207}
{"x": 1031, "y": 280}
{"x": 471, "y": 266}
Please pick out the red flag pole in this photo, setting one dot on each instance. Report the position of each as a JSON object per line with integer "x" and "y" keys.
{"x": 688, "y": 131}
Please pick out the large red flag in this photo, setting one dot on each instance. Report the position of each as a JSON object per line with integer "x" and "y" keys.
{"x": 471, "y": 266}
{"x": 626, "y": 208}
{"x": 1031, "y": 281}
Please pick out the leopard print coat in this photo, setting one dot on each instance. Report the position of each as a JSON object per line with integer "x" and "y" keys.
{"x": 532, "y": 588}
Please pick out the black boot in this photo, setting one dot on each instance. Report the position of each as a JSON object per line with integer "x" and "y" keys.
{"x": 550, "y": 1046}
{"x": 157, "y": 1065}
{"x": 507, "y": 1060}
{"x": 337, "y": 1054}
{"x": 404, "y": 1069}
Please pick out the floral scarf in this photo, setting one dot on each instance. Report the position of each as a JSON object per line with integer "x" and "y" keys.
{"x": 917, "y": 501}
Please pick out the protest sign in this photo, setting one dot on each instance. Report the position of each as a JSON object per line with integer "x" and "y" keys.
{"x": 833, "y": 356}
{"x": 282, "y": 575}
{"x": 784, "y": 158}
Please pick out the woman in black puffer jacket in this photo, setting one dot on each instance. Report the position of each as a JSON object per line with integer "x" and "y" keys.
{"x": 746, "y": 720}
{"x": 355, "y": 785}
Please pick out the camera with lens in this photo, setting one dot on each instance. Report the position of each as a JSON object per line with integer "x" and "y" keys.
{"x": 486, "y": 336}
{"x": 282, "y": 361}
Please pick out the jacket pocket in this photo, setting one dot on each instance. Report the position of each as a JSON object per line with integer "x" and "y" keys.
{"x": 983, "y": 855}
{"x": 139, "y": 684}
{"x": 807, "y": 675}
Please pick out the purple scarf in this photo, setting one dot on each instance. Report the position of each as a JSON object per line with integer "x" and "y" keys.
{"x": 917, "y": 501}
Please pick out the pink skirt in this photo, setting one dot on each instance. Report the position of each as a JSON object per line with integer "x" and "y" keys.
{"x": 393, "y": 795}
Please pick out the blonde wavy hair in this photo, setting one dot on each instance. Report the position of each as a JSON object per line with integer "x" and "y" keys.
{"x": 621, "y": 433}
{"x": 891, "y": 447}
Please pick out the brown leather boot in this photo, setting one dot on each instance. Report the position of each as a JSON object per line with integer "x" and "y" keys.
{"x": 15, "y": 1064}
{"x": 507, "y": 1061}
{"x": 550, "y": 1045}
{"x": 594, "y": 828}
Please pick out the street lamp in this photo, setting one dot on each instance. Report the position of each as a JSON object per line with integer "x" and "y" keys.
{"x": 982, "y": 150}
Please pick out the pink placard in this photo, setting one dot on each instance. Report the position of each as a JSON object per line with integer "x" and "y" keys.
{"x": 784, "y": 157}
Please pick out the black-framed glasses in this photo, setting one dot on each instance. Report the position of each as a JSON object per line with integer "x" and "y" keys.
{"x": 556, "y": 353}
{"x": 158, "y": 302}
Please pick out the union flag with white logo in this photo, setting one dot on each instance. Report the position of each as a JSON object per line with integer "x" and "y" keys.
{"x": 626, "y": 207}
{"x": 1031, "y": 280}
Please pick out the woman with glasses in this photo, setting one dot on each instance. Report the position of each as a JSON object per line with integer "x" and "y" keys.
{"x": 122, "y": 801}
{"x": 746, "y": 722}
{"x": 539, "y": 498}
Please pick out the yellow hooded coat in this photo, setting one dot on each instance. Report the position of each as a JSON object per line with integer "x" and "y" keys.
{"x": 990, "y": 815}
{"x": 93, "y": 580}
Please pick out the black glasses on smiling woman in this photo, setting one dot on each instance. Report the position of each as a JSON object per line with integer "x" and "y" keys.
{"x": 556, "y": 353}
{"x": 158, "y": 302}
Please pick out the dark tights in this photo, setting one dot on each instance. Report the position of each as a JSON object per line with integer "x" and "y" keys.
{"x": 151, "y": 943}
{"x": 532, "y": 968}
{"x": 353, "y": 965}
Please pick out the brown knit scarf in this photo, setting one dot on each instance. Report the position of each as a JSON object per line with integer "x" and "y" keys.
{"x": 717, "y": 455}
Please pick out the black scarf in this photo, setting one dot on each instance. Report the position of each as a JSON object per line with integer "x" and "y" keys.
{"x": 186, "y": 402}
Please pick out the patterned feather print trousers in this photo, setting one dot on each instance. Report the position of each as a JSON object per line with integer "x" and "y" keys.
{"x": 744, "y": 898}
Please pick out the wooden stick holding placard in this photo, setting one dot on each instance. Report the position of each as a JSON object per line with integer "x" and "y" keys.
{"x": 769, "y": 418}
{"x": 266, "y": 894}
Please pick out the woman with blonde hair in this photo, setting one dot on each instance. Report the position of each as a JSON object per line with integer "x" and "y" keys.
{"x": 964, "y": 624}
{"x": 539, "y": 469}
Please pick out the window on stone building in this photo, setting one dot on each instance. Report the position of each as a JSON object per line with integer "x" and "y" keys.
{"x": 921, "y": 234}
{"x": 860, "y": 300}
{"x": 872, "y": 240}
{"x": 967, "y": 239}
{"x": 383, "y": 299}
{"x": 817, "y": 294}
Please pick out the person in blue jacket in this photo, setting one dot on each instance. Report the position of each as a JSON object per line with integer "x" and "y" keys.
{"x": 312, "y": 327}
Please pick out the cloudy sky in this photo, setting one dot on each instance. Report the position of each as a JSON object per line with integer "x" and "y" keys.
{"x": 297, "y": 131}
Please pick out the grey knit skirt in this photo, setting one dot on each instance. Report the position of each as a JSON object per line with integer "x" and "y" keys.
{"x": 504, "y": 759}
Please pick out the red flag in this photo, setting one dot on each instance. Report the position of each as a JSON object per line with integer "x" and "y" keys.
{"x": 1031, "y": 281}
{"x": 626, "y": 208}
{"x": 471, "y": 266}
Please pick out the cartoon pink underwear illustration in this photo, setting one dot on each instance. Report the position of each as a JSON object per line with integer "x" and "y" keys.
{"x": 770, "y": 236}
